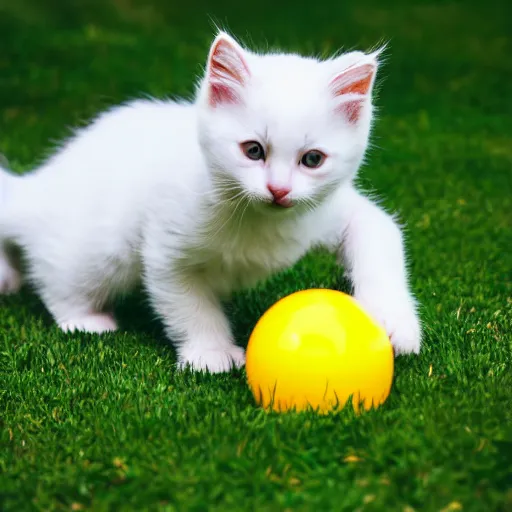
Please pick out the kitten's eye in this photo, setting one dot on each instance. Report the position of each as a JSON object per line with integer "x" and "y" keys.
{"x": 312, "y": 159}
{"x": 253, "y": 150}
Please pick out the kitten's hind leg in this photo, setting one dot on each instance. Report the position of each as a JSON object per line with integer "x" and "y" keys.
{"x": 77, "y": 292}
{"x": 10, "y": 277}
{"x": 76, "y": 313}
{"x": 91, "y": 322}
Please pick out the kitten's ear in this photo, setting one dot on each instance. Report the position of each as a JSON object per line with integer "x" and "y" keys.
{"x": 227, "y": 71}
{"x": 353, "y": 86}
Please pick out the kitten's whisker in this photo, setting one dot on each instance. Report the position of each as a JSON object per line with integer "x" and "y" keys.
{"x": 241, "y": 194}
{"x": 238, "y": 203}
{"x": 248, "y": 197}
{"x": 308, "y": 203}
{"x": 223, "y": 187}
{"x": 223, "y": 191}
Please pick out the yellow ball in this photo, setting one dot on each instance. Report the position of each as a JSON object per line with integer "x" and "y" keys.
{"x": 316, "y": 348}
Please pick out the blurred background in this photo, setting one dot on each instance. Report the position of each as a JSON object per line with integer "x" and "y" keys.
{"x": 62, "y": 61}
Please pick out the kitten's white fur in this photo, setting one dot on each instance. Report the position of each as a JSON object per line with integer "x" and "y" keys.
{"x": 161, "y": 192}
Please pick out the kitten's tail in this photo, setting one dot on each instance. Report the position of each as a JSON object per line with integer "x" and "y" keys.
{"x": 4, "y": 179}
{"x": 10, "y": 276}
{"x": 7, "y": 181}
{"x": 17, "y": 197}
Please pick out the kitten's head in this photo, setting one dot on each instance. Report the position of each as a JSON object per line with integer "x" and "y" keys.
{"x": 284, "y": 129}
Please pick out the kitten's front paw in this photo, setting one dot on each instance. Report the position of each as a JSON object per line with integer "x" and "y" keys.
{"x": 398, "y": 316}
{"x": 213, "y": 360}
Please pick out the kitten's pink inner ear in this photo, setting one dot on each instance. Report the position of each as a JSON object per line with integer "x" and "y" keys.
{"x": 227, "y": 73}
{"x": 355, "y": 83}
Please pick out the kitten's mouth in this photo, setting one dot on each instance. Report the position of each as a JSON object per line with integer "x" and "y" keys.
{"x": 283, "y": 203}
{"x": 265, "y": 206}
{"x": 278, "y": 207}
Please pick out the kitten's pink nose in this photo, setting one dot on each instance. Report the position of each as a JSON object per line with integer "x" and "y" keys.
{"x": 280, "y": 195}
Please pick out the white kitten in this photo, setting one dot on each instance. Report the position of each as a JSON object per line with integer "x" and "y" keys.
{"x": 197, "y": 200}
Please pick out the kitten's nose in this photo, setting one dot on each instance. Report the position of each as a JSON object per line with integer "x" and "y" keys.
{"x": 280, "y": 195}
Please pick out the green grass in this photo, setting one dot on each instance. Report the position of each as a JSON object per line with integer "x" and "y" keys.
{"x": 90, "y": 423}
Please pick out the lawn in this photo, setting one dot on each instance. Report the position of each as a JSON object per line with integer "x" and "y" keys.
{"x": 107, "y": 423}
